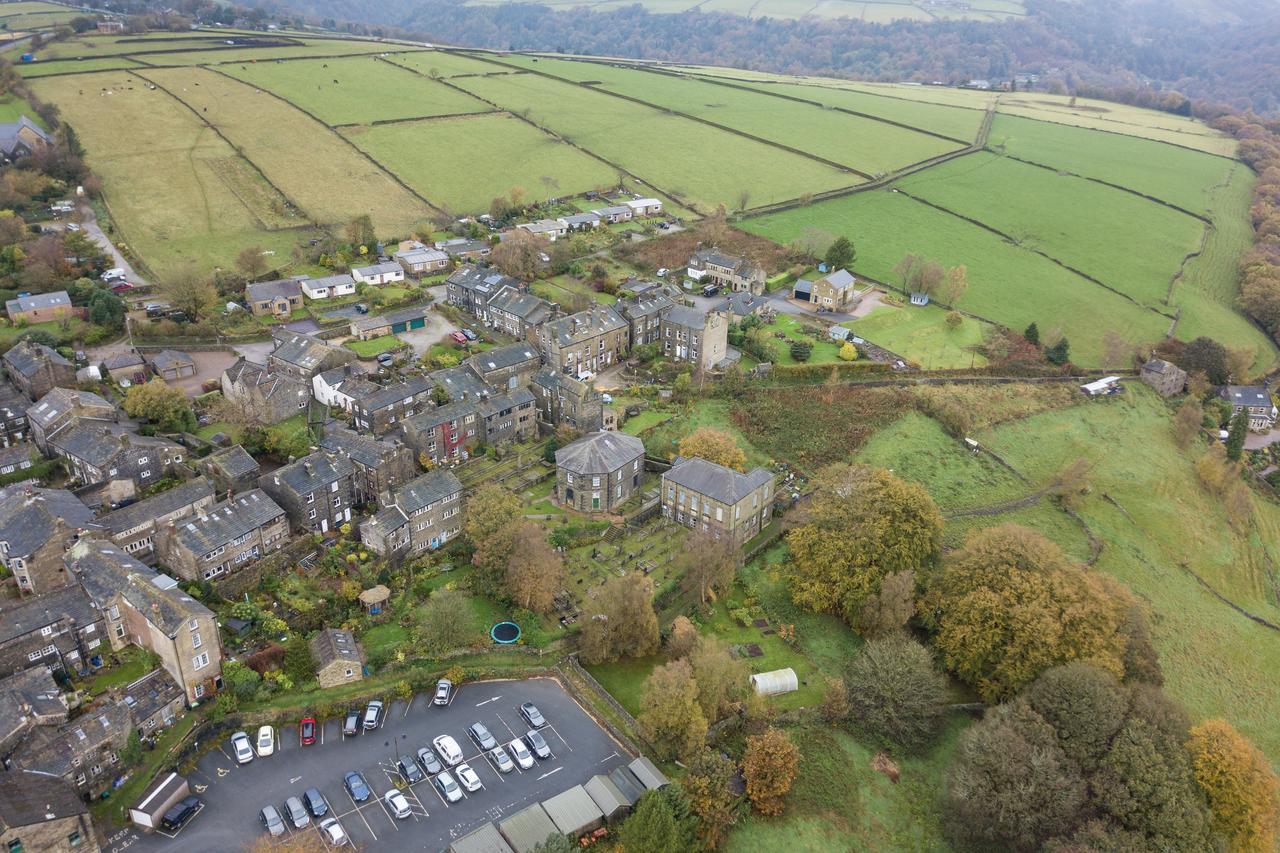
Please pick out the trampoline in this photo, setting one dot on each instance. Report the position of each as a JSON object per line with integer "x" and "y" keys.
{"x": 505, "y": 633}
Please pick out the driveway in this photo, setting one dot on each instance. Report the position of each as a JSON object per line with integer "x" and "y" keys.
{"x": 89, "y": 222}
{"x": 437, "y": 329}
{"x": 209, "y": 365}
{"x": 1259, "y": 440}
{"x": 256, "y": 352}
{"x": 234, "y": 794}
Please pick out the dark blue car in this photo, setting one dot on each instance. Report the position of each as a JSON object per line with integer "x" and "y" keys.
{"x": 356, "y": 787}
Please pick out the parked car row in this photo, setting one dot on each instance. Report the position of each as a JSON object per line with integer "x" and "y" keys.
{"x": 298, "y": 812}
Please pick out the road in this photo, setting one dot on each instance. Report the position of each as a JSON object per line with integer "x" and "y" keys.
{"x": 89, "y": 222}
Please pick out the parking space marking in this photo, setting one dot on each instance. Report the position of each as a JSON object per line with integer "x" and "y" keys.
{"x": 383, "y": 806}
{"x": 439, "y": 796}
{"x": 356, "y": 809}
{"x": 557, "y": 734}
{"x": 507, "y": 726}
{"x": 489, "y": 761}
{"x": 410, "y": 705}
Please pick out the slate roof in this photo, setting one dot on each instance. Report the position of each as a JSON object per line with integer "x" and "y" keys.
{"x": 600, "y": 453}
{"x": 614, "y": 210}
{"x": 450, "y": 411}
{"x": 742, "y": 303}
{"x": 1247, "y": 395}
{"x": 332, "y": 644}
{"x": 26, "y": 695}
{"x": 150, "y": 693}
{"x": 425, "y": 490}
{"x": 364, "y": 324}
{"x": 690, "y": 318}
{"x": 389, "y": 395}
{"x": 16, "y": 454}
{"x": 28, "y": 799}
{"x": 122, "y": 360}
{"x": 581, "y": 219}
{"x": 10, "y": 129}
{"x": 490, "y": 406}
{"x": 51, "y": 751}
{"x": 168, "y": 358}
{"x": 529, "y": 308}
{"x": 716, "y": 481}
{"x": 484, "y": 282}
{"x": 105, "y": 571}
{"x": 566, "y": 331}
{"x": 463, "y": 246}
{"x": 249, "y": 373}
{"x": 327, "y": 281}
{"x": 334, "y": 377}
{"x": 627, "y": 784}
{"x": 302, "y": 350}
{"x": 69, "y": 602}
{"x": 369, "y": 452}
{"x": 404, "y": 315}
{"x": 1159, "y": 365}
{"x": 313, "y": 471}
{"x": 501, "y": 358}
{"x": 233, "y": 462}
{"x": 278, "y": 289}
{"x": 841, "y": 279}
{"x": 225, "y": 521}
{"x": 554, "y": 380}
{"x": 28, "y": 356}
{"x": 39, "y": 300}
{"x": 646, "y": 305}
{"x": 133, "y": 515}
{"x": 461, "y": 382}
{"x": 98, "y": 443}
{"x": 29, "y": 521}
{"x": 59, "y": 402}
{"x": 377, "y": 269}
{"x": 422, "y": 256}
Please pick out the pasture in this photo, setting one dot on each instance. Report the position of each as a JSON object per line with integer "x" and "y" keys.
{"x": 1122, "y": 240}
{"x": 33, "y": 70}
{"x": 355, "y": 90}
{"x": 11, "y": 107}
{"x": 445, "y": 64}
{"x": 915, "y": 92}
{"x": 461, "y": 164}
{"x": 922, "y": 335}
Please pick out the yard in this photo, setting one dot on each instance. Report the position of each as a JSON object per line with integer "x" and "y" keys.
{"x": 922, "y": 335}
{"x": 374, "y": 346}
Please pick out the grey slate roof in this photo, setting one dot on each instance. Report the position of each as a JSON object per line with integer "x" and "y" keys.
{"x": 500, "y": 358}
{"x": 29, "y": 521}
{"x": 105, "y": 570}
{"x": 27, "y": 356}
{"x": 150, "y": 693}
{"x": 120, "y": 360}
{"x": 389, "y": 395}
{"x": 280, "y": 288}
{"x": 529, "y": 308}
{"x": 302, "y": 350}
{"x": 68, "y": 602}
{"x": 129, "y": 517}
{"x": 421, "y": 255}
{"x": 98, "y": 443}
{"x": 690, "y": 318}
{"x": 29, "y": 694}
{"x": 841, "y": 279}
{"x": 742, "y": 303}
{"x": 1247, "y": 395}
{"x": 716, "y": 481}
{"x": 426, "y": 490}
{"x": 59, "y": 401}
{"x": 1158, "y": 365}
{"x": 554, "y": 380}
{"x": 51, "y": 751}
{"x": 566, "y": 331}
{"x": 28, "y": 799}
{"x": 646, "y": 305}
{"x": 313, "y": 471}
{"x": 331, "y": 281}
{"x": 627, "y": 784}
{"x": 463, "y": 246}
{"x": 404, "y": 315}
{"x": 39, "y": 300}
{"x": 490, "y": 406}
{"x": 461, "y": 382}
{"x": 483, "y": 282}
{"x": 168, "y": 358}
{"x": 366, "y": 450}
{"x": 450, "y": 411}
{"x": 233, "y": 462}
{"x": 581, "y": 219}
{"x": 10, "y": 129}
{"x": 249, "y": 373}
{"x": 331, "y": 644}
{"x": 600, "y": 453}
{"x": 226, "y": 520}
{"x": 377, "y": 269}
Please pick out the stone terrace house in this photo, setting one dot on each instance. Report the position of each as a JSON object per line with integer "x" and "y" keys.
{"x": 562, "y": 400}
{"x": 154, "y": 701}
{"x": 35, "y": 369}
{"x": 599, "y": 472}
{"x": 83, "y": 753}
{"x": 339, "y": 657}
{"x": 712, "y": 266}
{"x": 423, "y": 514}
{"x": 64, "y": 407}
{"x": 470, "y": 288}
{"x": 97, "y": 453}
{"x": 507, "y": 418}
{"x": 691, "y": 336}
{"x": 16, "y": 458}
{"x": 510, "y": 367}
{"x": 28, "y": 699}
{"x": 1253, "y": 399}
{"x": 302, "y": 356}
{"x": 386, "y": 273}
{"x": 38, "y": 813}
{"x": 316, "y": 492}
{"x": 231, "y": 469}
{"x": 703, "y": 495}
{"x": 518, "y": 313}
{"x": 278, "y": 298}
{"x": 379, "y": 465}
{"x": 445, "y": 434}
{"x": 59, "y": 629}
{"x": 585, "y": 343}
{"x": 40, "y": 307}
{"x": 264, "y": 397}
{"x": 461, "y": 383}
{"x": 379, "y": 409}
{"x": 837, "y": 291}
{"x": 1167, "y": 378}
{"x": 418, "y": 260}
{"x": 645, "y": 314}
{"x": 133, "y": 527}
{"x": 150, "y": 610}
{"x": 35, "y": 526}
{"x": 13, "y": 415}
{"x": 223, "y": 538}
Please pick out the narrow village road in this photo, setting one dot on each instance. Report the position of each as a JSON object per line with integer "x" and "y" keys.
{"x": 89, "y": 222}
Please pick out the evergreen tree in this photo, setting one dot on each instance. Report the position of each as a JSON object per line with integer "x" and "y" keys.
{"x": 1032, "y": 334}
{"x": 841, "y": 253}
{"x": 1236, "y": 435}
{"x": 1059, "y": 353}
{"x": 299, "y": 665}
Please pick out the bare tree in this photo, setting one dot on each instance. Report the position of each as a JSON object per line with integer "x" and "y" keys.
{"x": 535, "y": 572}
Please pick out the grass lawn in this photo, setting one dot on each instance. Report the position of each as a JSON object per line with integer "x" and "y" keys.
{"x": 140, "y": 777}
{"x": 825, "y": 350}
{"x": 134, "y": 663}
{"x": 10, "y": 333}
{"x": 923, "y": 336}
{"x": 374, "y": 346}
{"x": 442, "y": 63}
{"x": 208, "y": 431}
{"x": 12, "y": 107}
{"x": 662, "y": 440}
{"x": 562, "y": 287}
{"x": 32, "y": 70}
{"x": 646, "y": 420}
{"x": 386, "y": 637}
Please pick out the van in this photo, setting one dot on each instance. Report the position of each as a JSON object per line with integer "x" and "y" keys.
{"x": 113, "y": 273}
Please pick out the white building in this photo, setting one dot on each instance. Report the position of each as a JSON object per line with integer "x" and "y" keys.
{"x": 387, "y": 273}
{"x": 329, "y": 287}
{"x": 644, "y": 206}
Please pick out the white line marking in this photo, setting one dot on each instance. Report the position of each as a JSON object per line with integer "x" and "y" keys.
{"x": 410, "y": 705}
{"x": 294, "y": 780}
{"x": 550, "y": 773}
{"x": 487, "y": 701}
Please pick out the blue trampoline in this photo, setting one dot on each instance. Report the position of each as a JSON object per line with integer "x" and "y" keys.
{"x": 505, "y": 633}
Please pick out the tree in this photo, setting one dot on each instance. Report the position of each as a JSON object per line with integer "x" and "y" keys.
{"x": 706, "y": 565}
{"x": 518, "y": 255}
{"x": 889, "y": 609}
{"x": 1032, "y": 335}
{"x": 444, "y": 623}
{"x": 722, "y": 679}
{"x": 769, "y": 767}
{"x": 1058, "y": 353}
{"x": 106, "y": 309}
{"x": 240, "y": 680}
{"x": 1009, "y": 605}
{"x": 895, "y": 693}
{"x": 670, "y": 717}
{"x": 1239, "y": 784}
{"x": 709, "y": 785}
{"x": 557, "y": 842}
{"x": 1236, "y": 435}
{"x": 801, "y": 351}
{"x": 535, "y": 573}
{"x": 954, "y": 319}
{"x": 655, "y": 826}
{"x": 1188, "y": 422}
{"x": 360, "y": 233}
{"x": 492, "y": 519}
{"x": 861, "y": 525}
{"x": 1208, "y": 356}
{"x": 620, "y": 622}
{"x": 848, "y": 352}
{"x": 161, "y": 404}
{"x": 299, "y": 665}
{"x": 1086, "y": 707}
{"x": 189, "y": 291}
{"x": 252, "y": 262}
{"x": 835, "y": 701}
{"x": 716, "y": 446}
{"x": 841, "y": 254}
{"x": 132, "y": 752}
{"x": 906, "y": 268}
{"x": 682, "y": 639}
{"x": 956, "y": 284}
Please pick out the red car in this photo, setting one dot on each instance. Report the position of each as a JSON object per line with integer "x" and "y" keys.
{"x": 459, "y": 337}
{"x": 121, "y": 287}
{"x": 308, "y": 731}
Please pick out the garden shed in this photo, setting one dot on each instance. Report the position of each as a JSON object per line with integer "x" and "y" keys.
{"x": 158, "y": 798}
{"x": 627, "y": 784}
{"x": 606, "y": 795}
{"x": 647, "y": 774}
{"x": 574, "y": 812}
{"x": 486, "y": 839}
{"x": 527, "y": 828}
{"x": 775, "y": 682}
{"x": 375, "y": 598}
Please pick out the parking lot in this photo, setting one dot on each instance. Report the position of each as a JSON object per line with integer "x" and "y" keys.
{"x": 234, "y": 794}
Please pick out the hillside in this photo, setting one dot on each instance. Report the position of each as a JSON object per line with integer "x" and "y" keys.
{"x": 1082, "y": 216}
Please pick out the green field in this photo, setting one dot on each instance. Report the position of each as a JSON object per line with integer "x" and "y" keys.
{"x": 355, "y": 90}
{"x": 35, "y": 70}
{"x": 92, "y": 44}
{"x": 445, "y": 64}
{"x": 461, "y": 164}
{"x": 374, "y": 346}
{"x": 1124, "y": 241}
{"x": 922, "y": 335}
{"x": 12, "y": 107}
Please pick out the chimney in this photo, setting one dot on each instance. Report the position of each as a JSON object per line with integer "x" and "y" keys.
{"x": 310, "y": 469}
{"x": 124, "y": 439}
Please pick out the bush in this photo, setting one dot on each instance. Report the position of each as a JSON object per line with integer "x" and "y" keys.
{"x": 895, "y": 695}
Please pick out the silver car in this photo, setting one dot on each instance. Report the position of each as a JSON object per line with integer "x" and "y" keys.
{"x": 271, "y": 820}
{"x": 448, "y": 788}
{"x": 297, "y": 814}
{"x": 243, "y": 747}
{"x": 501, "y": 760}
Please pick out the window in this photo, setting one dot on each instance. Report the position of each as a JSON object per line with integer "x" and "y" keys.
{"x": 80, "y": 780}
{"x": 199, "y": 690}
{"x": 311, "y": 498}
{"x": 568, "y": 478}
{"x": 73, "y": 839}
{"x": 113, "y": 472}
{"x": 350, "y": 672}
{"x": 145, "y": 474}
{"x": 311, "y": 514}
{"x": 120, "y": 631}
{"x": 15, "y": 846}
{"x": 595, "y": 481}
{"x": 337, "y": 501}
{"x": 333, "y": 487}
{"x": 719, "y": 514}
{"x": 143, "y": 460}
{"x": 200, "y": 661}
{"x": 196, "y": 642}
{"x": 46, "y": 631}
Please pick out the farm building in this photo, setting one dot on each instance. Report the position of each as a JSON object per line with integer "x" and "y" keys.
{"x": 1101, "y": 387}
{"x": 775, "y": 682}
{"x": 574, "y": 812}
{"x": 486, "y": 839}
{"x": 40, "y": 307}
{"x": 648, "y": 774}
{"x": 527, "y": 828}
{"x": 1167, "y": 378}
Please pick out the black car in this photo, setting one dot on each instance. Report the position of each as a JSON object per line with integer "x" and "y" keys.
{"x": 356, "y": 786}
{"x": 352, "y": 725}
{"x": 315, "y": 802}
{"x": 710, "y": 290}
{"x": 537, "y": 744}
{"x": 409, "y": 770}
{"x": 177, "y": 817}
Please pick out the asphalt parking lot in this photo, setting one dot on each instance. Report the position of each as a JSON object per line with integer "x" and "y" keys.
{"x": 234, "y": 794}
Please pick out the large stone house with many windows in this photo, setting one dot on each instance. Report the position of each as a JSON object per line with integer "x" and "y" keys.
{"x": 39, "y": 813}
{"x": 36, "y": 525}
{"x": 508, "y": 367}
{"x": 718, "y": 500}
{"x": 223, "y": 538}
{"x": 445, "y": 434}
{"x": 59, "y": 629}
{"x": 712, "y": 266}
{"x": 599, "y": 472}
{"x": 585, "y": 343}
{"x": 35, "y": 369}
{"x": 303, "y": 356}
{"x": 561, "y": 400}
{"x": 84, "y": 753}
{"x": 263, "y": 397}
{"x": 421, "y": 515}
{"x": 380, "y": 465}
{"x": 133, "y": 527}
{"x": 694, "y": 337}
{"x": 316, "y": 492}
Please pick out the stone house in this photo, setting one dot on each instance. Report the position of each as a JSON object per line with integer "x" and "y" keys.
{"x": 585, "y": 343}
{"x": 154, "y": 701}
{"x": 464, "y": 248}
{"x": 133, "y": 527}
{"x": 517, "y": 313}
{"x": 13, "y": 415}
{"x": 744, "y": 304}
{"x": 83, "y": 753}
{"x": 645, "y": 314}
{"x": 28, "y": 698}
{"x": 64, "y": 407}
{"x": 17, "y": 457}
{"x": 222, "y": 538}
{"x": 36, "y": 524}
{"x": 125, "y": 366}
{"x": 507, "y": 418}
{"x": 374, "y": 274}
{"x": 316, "y": 492}
{"x": 35, "y": 369}
{"x": 836, "y": 291}
{"x": 691, "y": 336}
{"x": 232, "y": 469}
{"x": 170, "y": 365}
{"x": 421, "y": 515}
{"x": 278, "y": 298}
{"x": 1254, "y": 399}
{"x": 22, "y": 138}
{"x": 147, "y": 609}
{"x": 470, "y": 288}
{"x": 340, "y": 387}
{"x": 40, "y": 307}
{"x": 381, "y": 408}
{"x": 510, "y": 367}
{"x": 599, "y": 472}
{"x": 302, "y": 356}
{"x": 561, "y": 400}
{"x": 38, "y": 813}
{"x": 418, "y": 260}
{"x": 339, "y": 657}
{"x": 328, "y": 287}
{"x": 380, "y": 465}
{"x": 264, "y": 397}
{"x": 1167, "y": 378}
{"x": 446, "y": 434}
{"x": 712, "y": 266}
{"x": 98, "y": 453}
{"x": 460, "y": 383}
{"x": 719, "y": 500}
{"x": 59, "y": 629}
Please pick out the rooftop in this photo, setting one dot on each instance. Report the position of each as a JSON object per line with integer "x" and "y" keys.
{"x": 281, "y": 288}
{"x": 313, "y": 472}
{"x": 60, "y": 401}
{"x": 600, "y": 453}
{"x": 28, "y": 799}
{"x": 38, "y": 301}
{"x": 29, "y": 515}
{"x": 368, "y": 451}
{"x": 168, "y": 358}
{"x": 28, "y": 356}
{"x": 501, "y": 358}
{"x": 302, "y": 350}
{"x": 597, "y": 320}
{"x": 106, "y": 571}
{"x": 232, "y": 462}
{"x": 149, "y": 509}
{"x": 69, "y": 603}
{"x": 332, "y": 644}
{"x": 377, "y": 269}
{"x": 226, "y": 521}
{"x": 716, "y": 481}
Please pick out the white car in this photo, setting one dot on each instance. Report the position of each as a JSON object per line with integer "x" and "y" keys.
{"x": 242, "y": 748}
{"x": 520, "y": 753}
{"x": 468, "y": 777}
{"x": 448, "y": 788}
{"x": 397, "y": 804}
{"x": 448, "y": 750}
{"x": 662, "y": 273}
{"x": 266, "y": 741}
{"x": 333, "y": 832}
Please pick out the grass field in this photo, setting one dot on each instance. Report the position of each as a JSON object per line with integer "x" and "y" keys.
{"x": 461, "y": 164}
{"x": 12, "y": 107}
{"x": 445, "y": 64}
{"x": 1007, "y": 284}
{"x": 92, "y": 44}
{"x": 374, "y": 346}
{"x": 35, "y": 70}
{"x": 915, "y": 93}
{"x": 922, "y": 335}
{"x": 1127, "y": 242}
{"x": 697, "y": 164}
